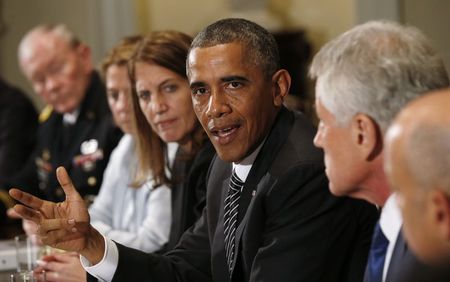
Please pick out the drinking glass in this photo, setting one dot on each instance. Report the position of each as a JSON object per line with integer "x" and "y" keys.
{"x": 28, "y": 276}
{"x": 28, "y": 252}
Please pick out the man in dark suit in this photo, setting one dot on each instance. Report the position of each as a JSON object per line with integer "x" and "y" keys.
{"x": 76, "y": 128}
{"x": 417, "y": 164}
{"x": 18, "y": 126}
{"x": 364, "y": 77}
{"x": 269, "y": 215}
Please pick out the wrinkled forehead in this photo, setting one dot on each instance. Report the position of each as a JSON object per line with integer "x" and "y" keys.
{"x": 233, "y": 51}
{"x": 43, "y": 45}
{"x": 219, "y": 60}
{"x": 39, "y": 55}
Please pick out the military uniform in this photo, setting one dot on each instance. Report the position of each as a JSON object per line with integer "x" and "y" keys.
{"x": 82, "y": 148}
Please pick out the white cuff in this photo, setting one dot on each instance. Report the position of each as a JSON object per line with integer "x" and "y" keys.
{"x": 105, "y": 269}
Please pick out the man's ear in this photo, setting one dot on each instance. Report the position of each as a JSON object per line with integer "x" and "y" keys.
{"x": 84, "y": 52}
{"x": 281, "y": 81}
{"x": 441, "y": 212}
{"x": 367, "y": 136}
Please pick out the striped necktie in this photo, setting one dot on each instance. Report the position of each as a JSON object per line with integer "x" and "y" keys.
{"x": 230, "y": 216}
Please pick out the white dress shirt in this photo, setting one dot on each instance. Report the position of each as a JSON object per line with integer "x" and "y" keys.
{"x": 140, "y": 217}
{"x": 105, "y": 269}
{"x": 135, "y": 217}
{"x": 71, "y": 118}
{"x": 390, "y": 222}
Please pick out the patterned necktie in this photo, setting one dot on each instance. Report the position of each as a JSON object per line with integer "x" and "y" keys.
{"x": 377, "y": 255}
{"x": 230, "y": 216}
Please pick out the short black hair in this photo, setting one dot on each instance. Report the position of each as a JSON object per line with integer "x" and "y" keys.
{"x": 261, "y": 47}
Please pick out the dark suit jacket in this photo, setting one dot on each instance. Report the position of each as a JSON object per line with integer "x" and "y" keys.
{"x": 18, "y": 127}
{"x": 405, "y": 267}
{"x": 188, "y": 191}
{"x": 290, "y": 228}
{"x": 83, "y": 148}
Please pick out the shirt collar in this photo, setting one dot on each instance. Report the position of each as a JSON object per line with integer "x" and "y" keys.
{"x": 243, "y": 168}
{"x": 71, "y": 118}
{"x": 391, "y": 218}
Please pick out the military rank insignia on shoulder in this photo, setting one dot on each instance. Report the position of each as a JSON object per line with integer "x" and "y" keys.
{"x": 45, "y": 113}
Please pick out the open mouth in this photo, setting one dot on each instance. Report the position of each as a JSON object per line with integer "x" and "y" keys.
{"x": 225, "y": 135}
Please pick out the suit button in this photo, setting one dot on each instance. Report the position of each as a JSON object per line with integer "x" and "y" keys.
{"x": 92, "y": 181}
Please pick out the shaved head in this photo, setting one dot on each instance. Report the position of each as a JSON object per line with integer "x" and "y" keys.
{"x": 417, "y": 163}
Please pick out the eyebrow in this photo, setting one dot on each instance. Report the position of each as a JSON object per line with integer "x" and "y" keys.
{"x": 234, "y": 78}
{"x": 161, "y": 84}
{"x": 230, "y": 78}
{"x": 197, "y": 84}
{"x": 166, "y": 81}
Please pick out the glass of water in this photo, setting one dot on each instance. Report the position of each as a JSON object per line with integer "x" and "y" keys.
{"x": 28, "y": 276}
{"x": 28, "y": 252}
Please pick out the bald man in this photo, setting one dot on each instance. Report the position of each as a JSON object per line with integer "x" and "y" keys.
{"x": 417, "y": 164}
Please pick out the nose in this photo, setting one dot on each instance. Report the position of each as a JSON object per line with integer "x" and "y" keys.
{"x": 158, "y": 104}
{"x": 218, "y": 105}
{"x": 123, "y": 102}
{"x": 51, "y": 83}
{"x": 318, "y": 138}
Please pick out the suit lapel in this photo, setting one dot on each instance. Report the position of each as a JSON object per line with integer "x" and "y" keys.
{"x": 276, "y": 138}
{"x": 398, "y": 256}
{"x": 240, "y": 229}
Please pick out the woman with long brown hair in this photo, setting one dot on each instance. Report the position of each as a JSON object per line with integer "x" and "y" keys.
{"x": 164, "y": 114}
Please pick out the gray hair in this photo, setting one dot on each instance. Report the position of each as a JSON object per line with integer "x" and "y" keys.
{"x": 375, "y": 69}
{"x": 261, "y": 47}
{"x": 427, "y": 154}
{"x": 59, "y": 30}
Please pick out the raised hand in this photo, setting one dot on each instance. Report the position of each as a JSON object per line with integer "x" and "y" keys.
{"x": 62, "y": 225}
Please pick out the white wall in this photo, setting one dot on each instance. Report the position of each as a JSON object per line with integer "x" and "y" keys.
{"x": 323, "y": 19}
{"x": 433, "y": 18}
{"x": 430, "y": 16}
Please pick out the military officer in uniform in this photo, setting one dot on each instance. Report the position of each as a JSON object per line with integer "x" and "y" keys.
{"x": 76, "y": 127}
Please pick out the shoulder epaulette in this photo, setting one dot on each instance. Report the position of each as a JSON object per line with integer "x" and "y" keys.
{"x": 45, "y": 113}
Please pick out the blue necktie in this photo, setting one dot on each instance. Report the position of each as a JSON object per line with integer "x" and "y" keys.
{"x": 377, "y": 255}
{"x": 230, "y": 216}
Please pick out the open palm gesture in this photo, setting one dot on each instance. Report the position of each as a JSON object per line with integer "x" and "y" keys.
{"x": 62, "y": 225}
